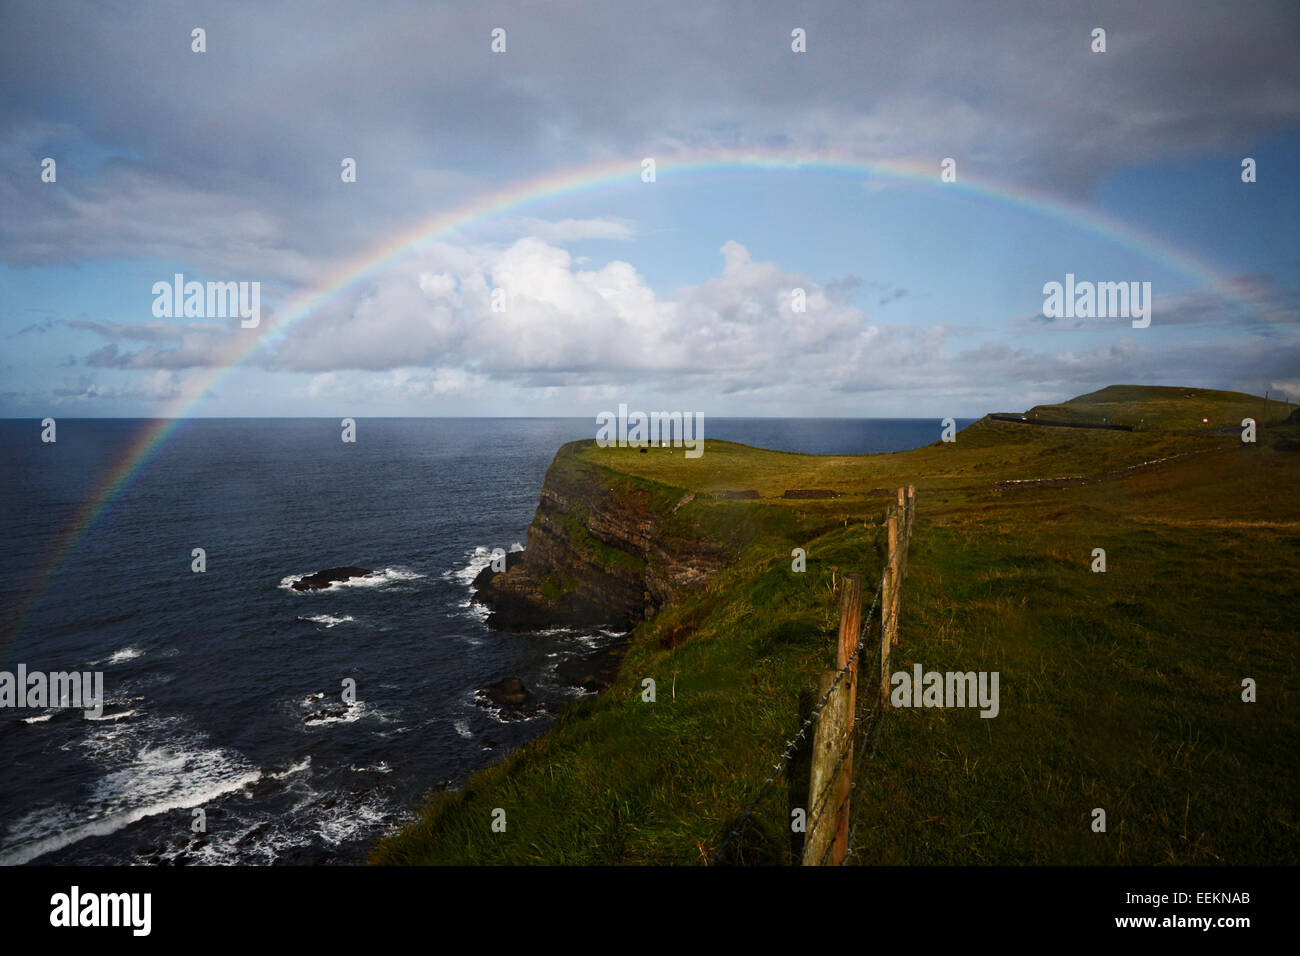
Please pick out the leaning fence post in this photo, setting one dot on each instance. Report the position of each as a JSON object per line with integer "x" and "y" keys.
{"x": 832, "y": 767}
{"x": 828, "y": 741}
{"x": 911, "y": 511}
{"x": 895, "y": 574}
{"x": 847, "y": 660}
{"x": 886, "y": 612}
{"x": 905, "y": 532}
{"x": 892, "y": 523}
{"x": 900, "y": 562}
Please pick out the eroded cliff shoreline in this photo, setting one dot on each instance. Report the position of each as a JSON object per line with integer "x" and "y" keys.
{"x": 602, "y": 549}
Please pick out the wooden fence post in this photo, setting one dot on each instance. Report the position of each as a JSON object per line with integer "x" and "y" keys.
{"x": 847, "y": 657}
{"x": 911, "y": 511}
{"x": 830, "y": 784}
{"x": 905, "y": 533}
{"x": 892, "y": 523}
{"x": 901, "y": 544}
{"x": 895, "y": 573}
{"x": 887, "y": 589}
{"x": 827, "y": 741}
{"x": 832, "y": 766}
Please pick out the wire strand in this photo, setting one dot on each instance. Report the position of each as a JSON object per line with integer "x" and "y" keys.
{"x": 793, "y": 742}
{"x": 866, "y": 724}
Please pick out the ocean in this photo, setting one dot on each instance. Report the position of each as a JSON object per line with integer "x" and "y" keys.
{"x": 215, "y": 745}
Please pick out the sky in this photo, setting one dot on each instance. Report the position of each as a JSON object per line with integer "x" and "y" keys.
{"x": 776, "y": 170}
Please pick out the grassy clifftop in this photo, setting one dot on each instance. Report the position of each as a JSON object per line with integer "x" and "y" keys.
{"x": 1150, "y": 406}
{"x": 1120, "y": 690}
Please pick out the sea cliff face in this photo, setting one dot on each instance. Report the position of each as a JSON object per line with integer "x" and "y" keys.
{"x": 603, "y": 548}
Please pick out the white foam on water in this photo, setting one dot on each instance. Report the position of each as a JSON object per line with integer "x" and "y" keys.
{"x": 474, "y": 609}
{"x": 37, "y": 720}
{"x": 475, "y": 561}
{"x": 492, "y": 709}
{"x": 378, "y": 579}
{"x": 117, "y": 716}
{"x": 355, "y": 711}
{"x": 557, "y": 631}
{"x": 152, "y": 766}
{"x": 299, "y": 767}
{"x": 375, "y": 579}
{"x": 357, "y": 816}
{"x": 120, "y": 656}
{"x": 462, "y": 728}
{"x": 263, "y": 838}
{"x": 328, "y": 620}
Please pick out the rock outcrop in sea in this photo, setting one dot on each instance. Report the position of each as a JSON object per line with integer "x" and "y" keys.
{"x": 323, "y": 579}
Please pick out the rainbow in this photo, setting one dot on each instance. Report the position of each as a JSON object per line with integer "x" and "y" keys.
{"x": 550, "y": 186}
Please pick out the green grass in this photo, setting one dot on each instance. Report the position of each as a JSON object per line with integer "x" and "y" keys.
{"x": 620, "y": 780}
{"x": 1118, "y": 690}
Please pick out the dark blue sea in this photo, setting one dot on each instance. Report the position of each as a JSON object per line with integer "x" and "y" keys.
{"x": 215, "y": 682}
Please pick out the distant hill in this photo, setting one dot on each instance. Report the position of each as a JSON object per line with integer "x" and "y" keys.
{"x": 1162, "y": 407}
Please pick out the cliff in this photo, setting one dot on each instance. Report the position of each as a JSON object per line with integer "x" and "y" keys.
{"x": 603, "y": 548}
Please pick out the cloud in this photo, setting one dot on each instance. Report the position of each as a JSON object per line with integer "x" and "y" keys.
{"x": 426, "y": 328}
{"x": 160, "y": 386}
{"x": 562, "y": 324}
{"x": 232, "y": 164}
{"x": 36, "y": 328}
{"x": 174, "y": 345}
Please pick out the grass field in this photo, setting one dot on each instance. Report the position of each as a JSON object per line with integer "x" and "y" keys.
{"x": 1119, "y": 690}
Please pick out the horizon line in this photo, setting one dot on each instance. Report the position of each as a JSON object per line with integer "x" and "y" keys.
{"x": 287, "y": 418}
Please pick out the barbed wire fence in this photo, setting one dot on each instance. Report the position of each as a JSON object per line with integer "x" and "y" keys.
{"x": 846, "y": 720}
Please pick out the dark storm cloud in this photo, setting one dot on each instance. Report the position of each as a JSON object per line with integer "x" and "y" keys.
{"x": 232, "y": 156}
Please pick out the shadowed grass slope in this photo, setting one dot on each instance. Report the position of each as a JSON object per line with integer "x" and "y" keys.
{"x": 1119, "y": 690}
